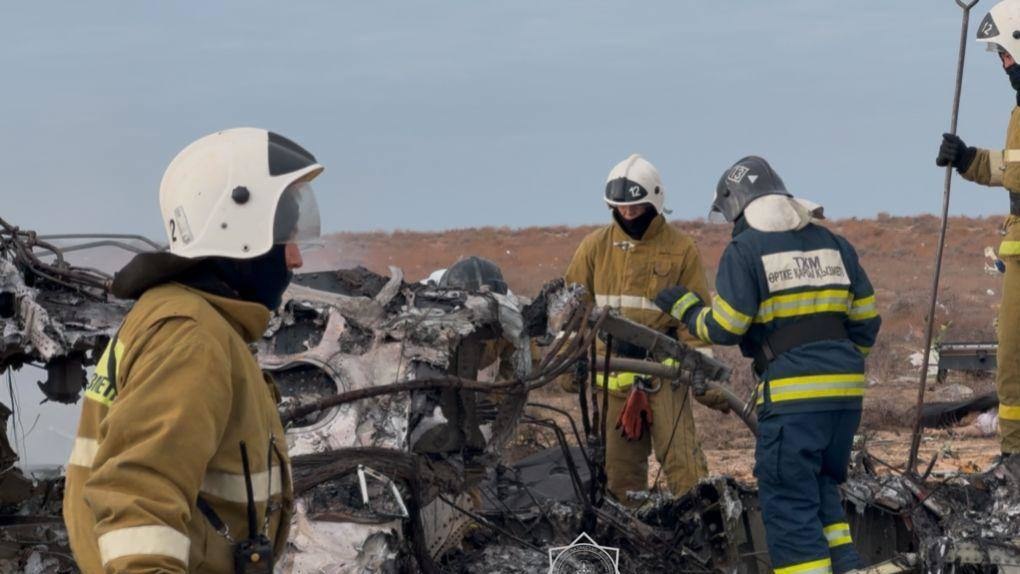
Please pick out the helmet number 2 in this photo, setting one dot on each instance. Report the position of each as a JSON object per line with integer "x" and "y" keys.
{"x": 173, "y": 231}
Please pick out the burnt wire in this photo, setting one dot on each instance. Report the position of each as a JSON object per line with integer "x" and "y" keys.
{"x": 16, "y": 423}
{"x": 561, "y": 438}
{"x": 488, "y": 524}
{"x": 604, "y": 452}
{"x": 534, "y": 499}
{"x": 573, "y": 426}
{"x": 22, "y": 246}
{"x": 532, "y": 382}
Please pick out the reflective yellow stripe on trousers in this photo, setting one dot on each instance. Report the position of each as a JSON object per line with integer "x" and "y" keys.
{"x": 823, "y": 566}
{"x": 1009, "y": 412}
{"x": 814, "y": 387}
{"x": 837, "y": 534}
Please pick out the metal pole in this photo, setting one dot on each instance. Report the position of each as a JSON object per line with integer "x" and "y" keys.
{"x": 915, "y": 441}
{"x": 604, "y": 458}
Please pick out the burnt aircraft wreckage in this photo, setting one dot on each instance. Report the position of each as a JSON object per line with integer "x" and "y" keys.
{"x": 401, "y": 400}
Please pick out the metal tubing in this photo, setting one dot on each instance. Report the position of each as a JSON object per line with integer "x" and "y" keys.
{"x": 915, "y": 441}
{"x": 737, "y": 406}
{"x": 573, "y": 426}
{"x": 604, "y": 485}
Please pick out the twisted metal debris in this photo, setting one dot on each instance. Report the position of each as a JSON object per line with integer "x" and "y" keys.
{"x": 400, "y": 400}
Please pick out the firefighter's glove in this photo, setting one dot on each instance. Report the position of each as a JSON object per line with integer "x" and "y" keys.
{"x": 713, "y": 399}
{"x": 676, "y": 301}
{"x": 636, "y": 414}
{"x": 955, "y": 153}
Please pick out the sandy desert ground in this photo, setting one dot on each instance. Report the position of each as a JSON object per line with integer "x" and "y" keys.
{"x": 897, "y": 252}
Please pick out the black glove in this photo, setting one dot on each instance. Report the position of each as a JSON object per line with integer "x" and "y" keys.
{"x": 955, "y": 153}
{"x": 668, "y": 297}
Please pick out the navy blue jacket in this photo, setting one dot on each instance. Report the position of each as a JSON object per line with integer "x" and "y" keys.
{"x": 767, "y": 280}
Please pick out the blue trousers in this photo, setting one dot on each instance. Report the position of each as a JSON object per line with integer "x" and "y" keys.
{"x": 800, "y": 458}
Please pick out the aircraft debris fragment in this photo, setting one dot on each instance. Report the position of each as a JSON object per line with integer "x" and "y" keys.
{"x": 400, "y": 401}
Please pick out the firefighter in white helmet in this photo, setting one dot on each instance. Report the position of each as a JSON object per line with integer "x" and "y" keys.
{"x": 1000, "y": 31}
{"x": 624, "y": 266}
{"x": 178, "y": 417}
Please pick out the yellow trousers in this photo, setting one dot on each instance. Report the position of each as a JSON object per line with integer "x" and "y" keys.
{"x": 683, "y": 462}
{"x": 1007, "y": 376}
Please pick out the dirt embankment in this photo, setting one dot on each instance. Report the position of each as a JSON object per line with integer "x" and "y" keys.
{"x": 897, "y": 252}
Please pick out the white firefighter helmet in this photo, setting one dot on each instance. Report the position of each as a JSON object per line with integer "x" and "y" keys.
{"x": 236, "y": 193}
{"x": 1000, "y": 29}
{"x": 633, "y": 181}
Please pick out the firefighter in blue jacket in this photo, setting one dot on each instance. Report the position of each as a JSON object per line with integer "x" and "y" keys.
{"x": 793, "y": 295}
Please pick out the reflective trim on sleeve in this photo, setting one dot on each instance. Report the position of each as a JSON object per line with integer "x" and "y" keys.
{"x": 837, "y": 534}
{"x": 863, "y": 309}
{"x": 1009, "y": 412}
{"x": 806, "y": 303}
{"x": 230, "y": 487}
{"x": 835, "y": 386}
{"x": 823, "y": 566}
{"x": 84, "y": 452}
{"x": 997, "y": 160}
{"x": 144, "y": 540}
{"x": 701, "y": 327}
{"x": 1009, "y": 248}
{"x": 863, "y": 350}
{"x": 683, "y": 304}
{"x": 729, "y": 318}
{"x": 626, "y": 302}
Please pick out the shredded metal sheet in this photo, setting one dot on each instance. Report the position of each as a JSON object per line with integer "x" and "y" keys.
{"x": 352, "y": 329}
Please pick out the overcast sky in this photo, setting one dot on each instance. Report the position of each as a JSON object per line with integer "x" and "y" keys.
{"x": 434, "y": 115}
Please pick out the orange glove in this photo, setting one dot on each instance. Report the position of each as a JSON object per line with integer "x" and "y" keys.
{"x": 635, "y": 415}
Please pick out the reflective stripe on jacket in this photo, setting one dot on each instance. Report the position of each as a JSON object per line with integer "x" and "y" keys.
{"x": 1001, "y": 168}
{"x": 768, "y": 280}
{"x": 164, "y": 428}
{"x": 626, "y": 274}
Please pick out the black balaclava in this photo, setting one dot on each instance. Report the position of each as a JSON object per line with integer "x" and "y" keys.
{"x": 1014, "y": 79}
{"x": 262, "y": 279}
{"x": 636, "y": 227}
